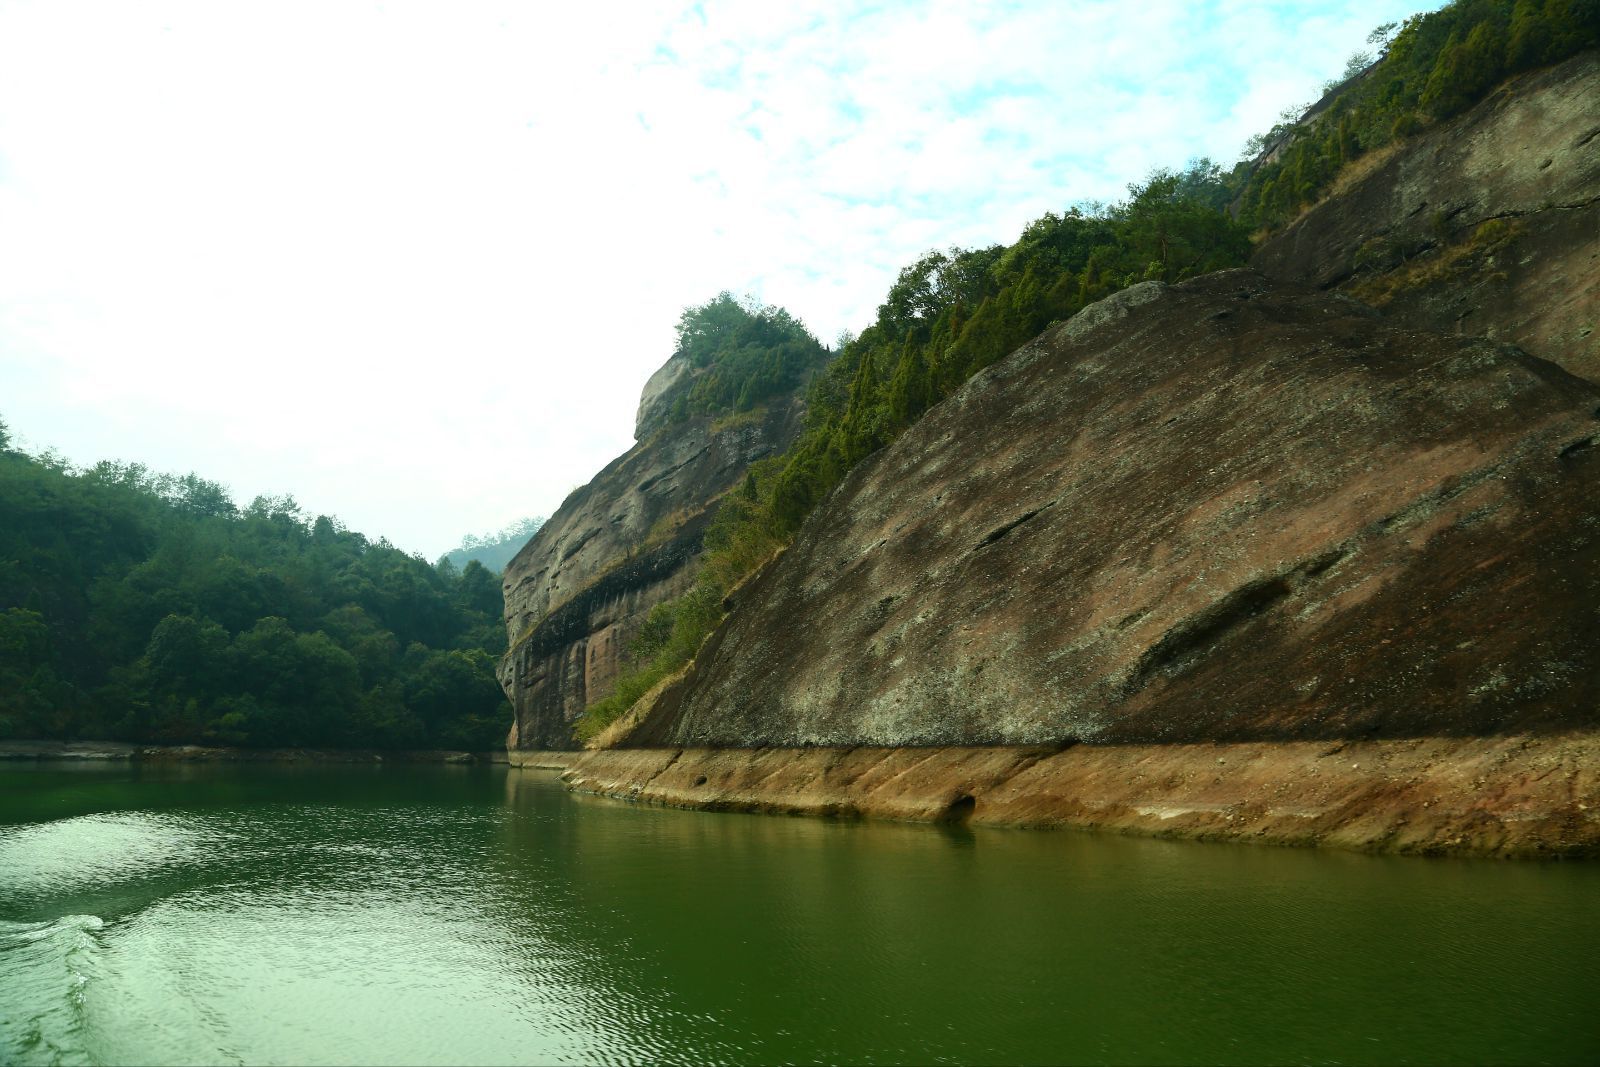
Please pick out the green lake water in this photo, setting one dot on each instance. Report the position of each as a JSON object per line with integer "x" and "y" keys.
{"x": 307, "y": 914}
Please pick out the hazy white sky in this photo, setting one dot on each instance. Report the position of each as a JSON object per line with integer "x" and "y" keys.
{"x": 413, "y": 262}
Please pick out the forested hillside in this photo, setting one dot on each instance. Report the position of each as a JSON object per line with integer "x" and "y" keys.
{"x": 146, "y": 607}
{"x": 1435, "y": 66}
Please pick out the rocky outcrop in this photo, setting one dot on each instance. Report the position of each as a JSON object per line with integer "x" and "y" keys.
{"x": 1224, "y": 510}
{"x": 1486, "y": 225}
{"x": 655, "y": 402}
{"x": 1499, "y": 796}
{"x": 578, "y": 591}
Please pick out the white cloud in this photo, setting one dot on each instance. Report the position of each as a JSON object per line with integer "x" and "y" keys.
{"x": 412, "y": 262}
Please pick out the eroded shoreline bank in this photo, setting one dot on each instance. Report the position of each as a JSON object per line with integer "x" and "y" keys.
{"x": 1511, "y": 796}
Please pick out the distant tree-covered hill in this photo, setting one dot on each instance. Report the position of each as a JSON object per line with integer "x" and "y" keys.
{"x": 493, "y": 550}
{"x": 148, "y": 607}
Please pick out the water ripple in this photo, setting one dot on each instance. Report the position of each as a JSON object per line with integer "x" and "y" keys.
{"x": 416, "y": 916}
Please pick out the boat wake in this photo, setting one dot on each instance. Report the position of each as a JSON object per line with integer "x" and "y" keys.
{"x": 45, "y": 969}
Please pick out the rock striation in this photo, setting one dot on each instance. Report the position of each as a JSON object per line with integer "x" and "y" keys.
{"x": 579, "y": 590}
{"x": 1487, "y": 224}
{"x": 1222, "y": 511}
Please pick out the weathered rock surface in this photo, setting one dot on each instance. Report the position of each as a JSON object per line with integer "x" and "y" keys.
{"x": 655, "y": 401}
{"x": 1406, "y": 235}
{"x": 1220, "y": 511}
{"x": 1505, "y": 796}
{"x": 579, "y": 590}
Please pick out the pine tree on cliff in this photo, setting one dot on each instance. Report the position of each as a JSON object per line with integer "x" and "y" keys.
{"x": 1464, "y": 70}
{"x": 910, "y": 390}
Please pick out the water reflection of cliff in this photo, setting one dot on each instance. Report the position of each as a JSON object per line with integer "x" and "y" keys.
{"x": 755, "y": 938}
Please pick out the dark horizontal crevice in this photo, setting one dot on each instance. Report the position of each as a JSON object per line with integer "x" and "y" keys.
{"x": 645, "y": 485}
{"x": 571, "y": 620}
{"x": 577, "y": 545}
{"x": 1583, "y": 444}
{"x": 1000, "y": 531}
{"x": 1324, "y": 561}
{"x": 1204, "y": 628}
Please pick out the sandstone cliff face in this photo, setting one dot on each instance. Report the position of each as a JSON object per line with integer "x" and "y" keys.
{"x": 1222, "y": 510}
{"x": 578, "y": 591}
{"x": 1407, "y": 235}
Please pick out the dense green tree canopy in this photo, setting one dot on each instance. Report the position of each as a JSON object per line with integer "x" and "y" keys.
{"x": 148, "y": 607}
{"x": 742, "y": 354}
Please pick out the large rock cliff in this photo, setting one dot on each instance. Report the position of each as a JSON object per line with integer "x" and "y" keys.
{"x": 1309, "y": 552}
{"x": 578, "y": 591}
{"x": 1221, "y": 510}
{"x": 1485, "y": 225}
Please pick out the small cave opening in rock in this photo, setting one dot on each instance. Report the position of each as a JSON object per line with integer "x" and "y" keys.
{"x": 699, "y": 779}
{"x": 961, "y": 808}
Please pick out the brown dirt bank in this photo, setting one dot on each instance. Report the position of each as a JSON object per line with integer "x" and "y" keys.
{"x": 114, "y": 751}
{"x": 1517, "y": 795}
